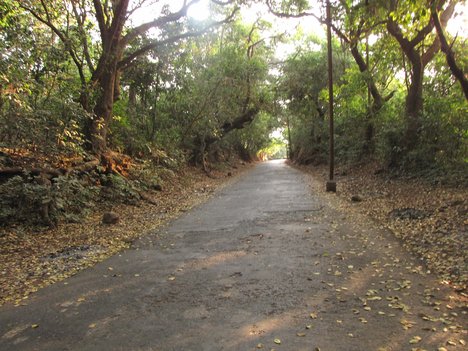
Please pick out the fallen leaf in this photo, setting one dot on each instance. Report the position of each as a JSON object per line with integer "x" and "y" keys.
{"x": 407, "y": 324}
{"x": 415, "y": 339}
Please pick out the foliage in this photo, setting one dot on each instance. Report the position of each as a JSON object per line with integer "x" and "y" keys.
{"x": 22, "y": 200}
{"x": 368, "y": 129}
{"x": 276, "y": 149}
{"x": 118, "y": 189}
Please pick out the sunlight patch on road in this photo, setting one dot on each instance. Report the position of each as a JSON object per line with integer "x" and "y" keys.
{"x": 217, "y": 259}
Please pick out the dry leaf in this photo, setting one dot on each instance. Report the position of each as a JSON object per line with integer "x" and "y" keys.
{"x": 415, "y": 339}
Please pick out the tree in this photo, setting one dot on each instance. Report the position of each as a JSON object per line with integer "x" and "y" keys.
{"x": 232, "y": 85}
{"x": 411, "y": 25}
{"x": 100, "y": 66}
{"x": 353, "y": 23}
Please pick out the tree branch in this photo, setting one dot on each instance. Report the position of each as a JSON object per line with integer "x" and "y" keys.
{"x": 126, "y": 62}
{"x": 100, "y": 17}
{"x": 449, "y": 55}
{"x": 81, "y": 21}
{"x": 286, "y": 15}
{"x": 435, "y": 46}
{"x": 172, "y": 17}
{"x": 61, "y": 36}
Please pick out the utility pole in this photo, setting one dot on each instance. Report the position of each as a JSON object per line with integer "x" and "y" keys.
{"x": 331, "y": 184}
{"x": 289, "y": 137}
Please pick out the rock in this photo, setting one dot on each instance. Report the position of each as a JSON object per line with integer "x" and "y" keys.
{"x": 110, "y": 218}
{"x": 379, "y": 171}
{"x": 148, "y": 198}
{"x": 356, "y": 198}
{"x": 157, "y": 187}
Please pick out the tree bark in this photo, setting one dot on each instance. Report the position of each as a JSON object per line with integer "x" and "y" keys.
{"x": 449, "y": 55}
{"x": 378, "y": 101}
{"x": 102, "y": 113}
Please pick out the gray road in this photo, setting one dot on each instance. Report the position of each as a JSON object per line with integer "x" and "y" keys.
{"x": 265, "y": 260}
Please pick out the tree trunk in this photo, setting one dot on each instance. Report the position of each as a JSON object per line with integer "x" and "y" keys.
{"x": 414, "y": 102}
{"x": 103, "y": 110}
{"x": 449, "y": 55}
{"x": 414, "y": 97}
{"x": 363, "y": 68}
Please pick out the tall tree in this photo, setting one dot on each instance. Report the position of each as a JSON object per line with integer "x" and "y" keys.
{"x": 411, "y": 25}
{"x": 100, "y": 69}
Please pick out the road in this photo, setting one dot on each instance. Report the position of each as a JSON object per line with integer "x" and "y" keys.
{"x": 264, "y": 264}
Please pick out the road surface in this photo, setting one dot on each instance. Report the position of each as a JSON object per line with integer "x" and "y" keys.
{"x": 265, "y": 264}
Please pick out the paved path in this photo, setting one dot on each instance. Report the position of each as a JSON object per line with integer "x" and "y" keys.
{"x": 263, "y": 261}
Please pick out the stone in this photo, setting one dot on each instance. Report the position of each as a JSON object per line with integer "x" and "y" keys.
{"x": 157, "y": 187}
{"x": 356, "y": 198}
{"x": 110, "y": 218}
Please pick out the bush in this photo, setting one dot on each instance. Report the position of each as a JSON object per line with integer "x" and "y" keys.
{"x": 24, "y": 200}
{"x": 118, "y": 189}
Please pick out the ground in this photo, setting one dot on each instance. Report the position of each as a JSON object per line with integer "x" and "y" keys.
{"x": 267, "y": 263}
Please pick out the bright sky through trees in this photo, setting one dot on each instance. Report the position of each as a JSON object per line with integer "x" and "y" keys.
{"x": 290, "y": 26}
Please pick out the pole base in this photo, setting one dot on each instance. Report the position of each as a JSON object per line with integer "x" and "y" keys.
{"x": 331, "y": 186}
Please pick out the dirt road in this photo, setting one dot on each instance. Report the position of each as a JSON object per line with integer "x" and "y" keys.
{"x": 265, "y": 264}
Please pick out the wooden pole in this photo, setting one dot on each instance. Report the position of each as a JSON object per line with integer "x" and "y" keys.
{"x": 331, "y": 184}
{"x": 289, "y": 138}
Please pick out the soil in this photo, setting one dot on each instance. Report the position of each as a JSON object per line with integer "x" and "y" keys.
{"x": 267, "y": 263}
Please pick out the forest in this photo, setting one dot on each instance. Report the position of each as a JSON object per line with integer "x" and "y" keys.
{"x": 108, "y": 101}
